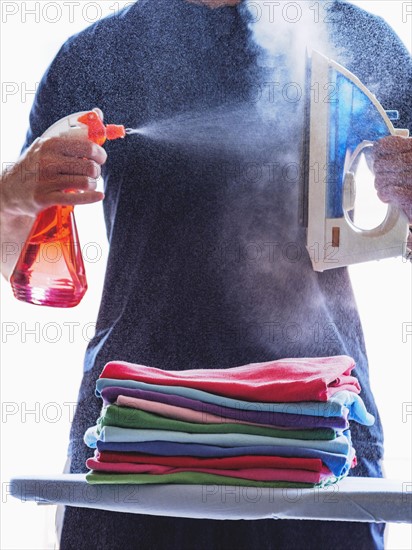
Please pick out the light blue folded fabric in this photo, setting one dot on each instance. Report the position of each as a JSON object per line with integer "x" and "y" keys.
{"x": 340, "y": 445}
{"x": 341, "y": 404}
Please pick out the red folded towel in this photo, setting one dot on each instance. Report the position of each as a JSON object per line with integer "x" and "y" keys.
{"x": 230, "y": 462}
{"x": 285, "y": 380}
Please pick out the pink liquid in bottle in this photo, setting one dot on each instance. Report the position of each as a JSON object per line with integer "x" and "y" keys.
{"x": 50, "y": 270}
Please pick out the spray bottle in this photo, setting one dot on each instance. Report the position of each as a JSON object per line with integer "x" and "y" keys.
{"x": 50, "y": 270}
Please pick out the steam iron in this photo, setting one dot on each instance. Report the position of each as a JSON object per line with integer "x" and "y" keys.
{"x": 343, "y": 119}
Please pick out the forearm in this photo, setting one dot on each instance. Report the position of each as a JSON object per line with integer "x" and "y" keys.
{"x": 14, "y": 230}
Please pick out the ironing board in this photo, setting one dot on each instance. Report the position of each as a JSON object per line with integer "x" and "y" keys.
{"x": 353, "y": 499}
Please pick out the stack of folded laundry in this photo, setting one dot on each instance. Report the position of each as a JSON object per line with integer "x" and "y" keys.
{"x": 279, "y": 424}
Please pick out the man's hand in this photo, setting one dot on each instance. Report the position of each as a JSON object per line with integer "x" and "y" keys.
{"x": 392, "y": 166}
{"x": 46, "y": 171}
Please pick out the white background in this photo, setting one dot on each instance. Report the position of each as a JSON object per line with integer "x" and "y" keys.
{"x": 42, "y": 348}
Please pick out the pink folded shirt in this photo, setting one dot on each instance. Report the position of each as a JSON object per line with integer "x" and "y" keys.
{"x": 285, "y": 380}
{"x": 181, "y": 413}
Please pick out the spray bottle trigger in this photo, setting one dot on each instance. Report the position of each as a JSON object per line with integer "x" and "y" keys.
{"x": 97, "y": 131}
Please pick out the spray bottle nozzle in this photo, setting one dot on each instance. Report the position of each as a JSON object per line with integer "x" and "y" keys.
{"x": 97, "y": 131}
{"x": 115, "y": 131}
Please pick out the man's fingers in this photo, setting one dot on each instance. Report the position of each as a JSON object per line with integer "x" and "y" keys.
{"x": 64, "y": 184}
{"x": 69, "y": 147}
{"x": 51, "y": 169}
{"x": 402, "y": 162}
{"x": 400, "y": 202}
{"x": 397, "y": 195}
{"x": 392, "y": 145}
{"x": 394, "y": 179}
{"x": 393, "y": 172}
{"x": 73, "y": 199}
